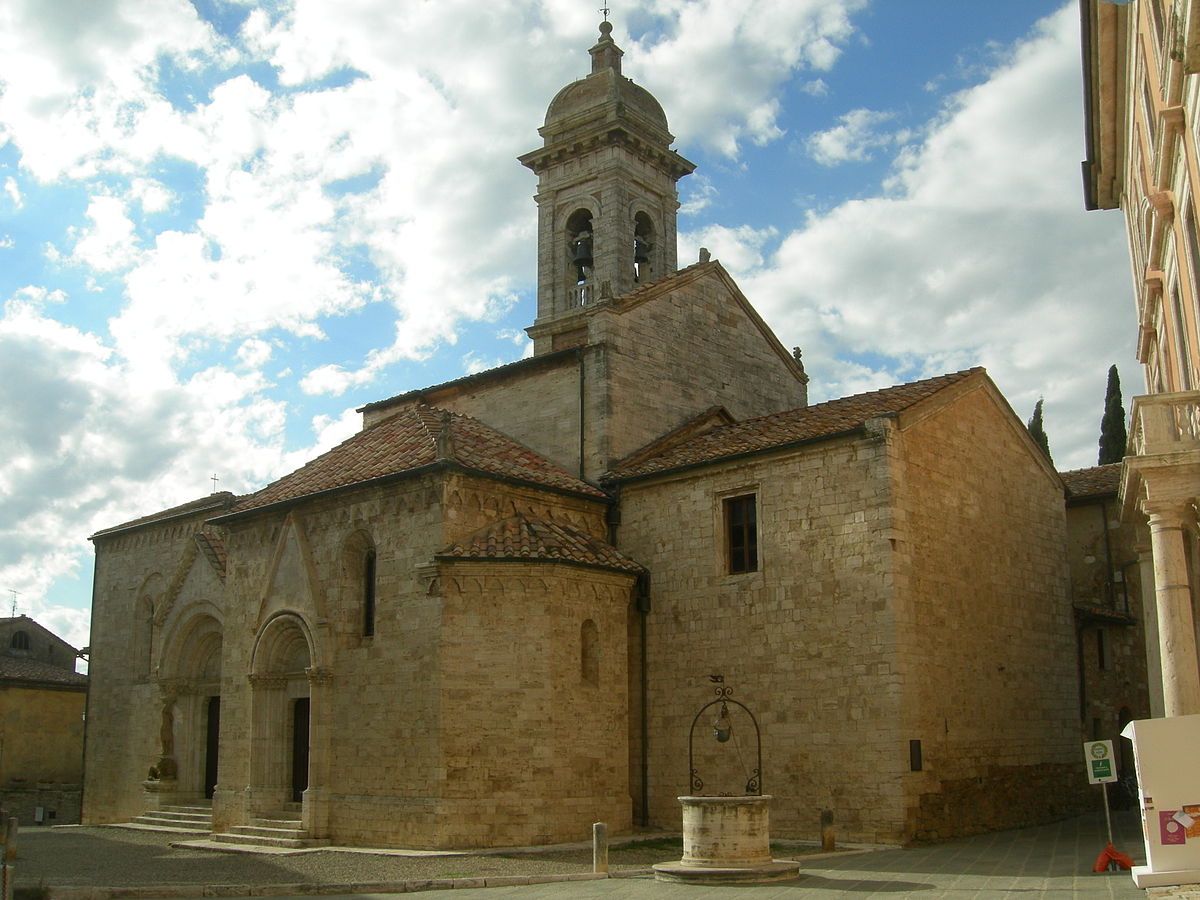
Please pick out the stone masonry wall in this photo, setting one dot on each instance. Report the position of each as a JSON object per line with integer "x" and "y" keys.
{"x": 534, "y": 738}
{"x": 807, "y": 642}
{"x": 1104, "y": 573}
{"x": 986, "y": 649}
{"x": 390, "y": 716}
{"x": 42, "y": 734}
{"x": 538, "y": 407}
{"x": 680, "y": 352}
{"x": 138, "y": 594}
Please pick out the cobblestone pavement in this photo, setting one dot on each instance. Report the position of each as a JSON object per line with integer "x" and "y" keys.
{"x": 1051, "y": 861}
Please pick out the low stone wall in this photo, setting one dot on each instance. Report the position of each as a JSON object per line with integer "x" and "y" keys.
{"x": 59, "y": 803}
{"x": 1007, "y": 797}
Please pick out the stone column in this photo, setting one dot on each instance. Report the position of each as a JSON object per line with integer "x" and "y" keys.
{"x": 316, "y": 796}
{"x": 1154, "y": 681}
{"x": 268, "y": 753}
{"x": 1173, "y": 596}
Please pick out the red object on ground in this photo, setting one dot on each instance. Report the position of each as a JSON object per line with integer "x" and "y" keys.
{"x": 1111, "y": 855}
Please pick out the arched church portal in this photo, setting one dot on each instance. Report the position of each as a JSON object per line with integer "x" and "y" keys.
{"x": 190, "y": 693}
{"x": 282, "y": 716}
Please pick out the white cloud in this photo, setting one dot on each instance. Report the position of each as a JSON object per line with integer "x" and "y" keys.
{"x": 13, "y": 192}
{"x": 151, "y": 194}
{"x": 740, "y": 249}
{"x": 978, "y": 253}
{"x": 87, "y": 446}
{"x": 719, "y": 67}
{"x": 254, "y": 353}
{"x": 108, "y": 244}
{"x": 853, "y": 139}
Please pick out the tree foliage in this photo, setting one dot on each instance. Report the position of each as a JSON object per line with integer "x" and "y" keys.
{"x": 1113, "y": 436}
{"x": 1037, "y": 431}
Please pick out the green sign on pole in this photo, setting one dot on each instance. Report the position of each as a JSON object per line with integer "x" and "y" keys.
{"x": 1099, "y": 756}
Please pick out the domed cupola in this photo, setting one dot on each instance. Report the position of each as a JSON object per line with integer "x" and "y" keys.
{"x": 606, "y": 193}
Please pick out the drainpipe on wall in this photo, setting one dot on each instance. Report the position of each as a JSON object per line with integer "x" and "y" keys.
{"x": 643, "y": 607}
{"x": 579, "y": 364}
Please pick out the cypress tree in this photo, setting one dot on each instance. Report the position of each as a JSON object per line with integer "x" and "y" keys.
{"x": 1037, "y": 432}
{"x": 1113, "y": 436}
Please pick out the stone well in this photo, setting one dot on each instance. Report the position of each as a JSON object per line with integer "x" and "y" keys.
{"x": 726, "y": 840}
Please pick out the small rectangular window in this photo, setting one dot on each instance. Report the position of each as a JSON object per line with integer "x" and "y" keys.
{"x": 741, "y": 532}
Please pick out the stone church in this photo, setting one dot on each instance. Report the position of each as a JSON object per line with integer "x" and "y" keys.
{"x": 489, "y": 617}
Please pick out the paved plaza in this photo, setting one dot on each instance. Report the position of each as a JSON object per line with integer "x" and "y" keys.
{"x": 1052, "y": 861}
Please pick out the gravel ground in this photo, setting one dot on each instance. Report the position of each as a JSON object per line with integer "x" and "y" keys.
{"x": 115, "y": 857}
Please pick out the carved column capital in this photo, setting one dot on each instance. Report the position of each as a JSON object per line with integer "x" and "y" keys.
{"x": 267, "y": 682}
{"x": 319, "y": 675}
{"x": 1169, "y": 514}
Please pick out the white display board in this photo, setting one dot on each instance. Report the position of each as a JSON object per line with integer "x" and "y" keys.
{"x": 1167, "y": 755}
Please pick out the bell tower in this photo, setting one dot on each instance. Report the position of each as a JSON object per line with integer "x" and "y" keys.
{"x": 606, "y": 196}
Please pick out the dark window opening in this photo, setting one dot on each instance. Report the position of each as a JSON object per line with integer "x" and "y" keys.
{"x": 20, "y": 640}
{"x": 643, "y": 244}
{"x": 589, "y": 652}
{"x": 368, "y": 593}
{"x": 1101, "y": 649}
{"x": 741, "y": 526}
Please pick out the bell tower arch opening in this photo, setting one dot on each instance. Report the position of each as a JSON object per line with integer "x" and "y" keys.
{"x": 580, "y": 249}
{"x": 644, "y": 269}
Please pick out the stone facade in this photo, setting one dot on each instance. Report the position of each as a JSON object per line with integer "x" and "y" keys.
{"x": 898, "y": 565}
{"x": 1142, "y": 96}
{"x": 489, "y": 617}
{"x": 1107, "y": 562}
{"x": 41, "y": 724}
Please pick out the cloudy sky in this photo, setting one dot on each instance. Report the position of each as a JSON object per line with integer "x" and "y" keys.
{"x": 224, "y": 225}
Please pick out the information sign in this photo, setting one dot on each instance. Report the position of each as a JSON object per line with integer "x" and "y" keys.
{"x": 1099, "y": 757}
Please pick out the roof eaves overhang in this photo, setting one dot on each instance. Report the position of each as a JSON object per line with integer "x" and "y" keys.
{"x": 500, "y": 372}
{"x": 1103, "y": 37}
{"x": 415, "y": 472}
{"x": 548, "y": 560}
{"x": 152, "y": 521}
{"x": 857, "y": 431}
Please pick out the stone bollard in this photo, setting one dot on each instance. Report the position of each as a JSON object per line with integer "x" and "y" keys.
{"x": 600, "y": 847}
{"x": 828, "y": 839}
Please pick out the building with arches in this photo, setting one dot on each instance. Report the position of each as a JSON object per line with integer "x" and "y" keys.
{"x": 488, "y": 617}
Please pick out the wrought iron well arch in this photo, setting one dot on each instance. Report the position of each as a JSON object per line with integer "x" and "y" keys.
{"x": 724, "y": 698}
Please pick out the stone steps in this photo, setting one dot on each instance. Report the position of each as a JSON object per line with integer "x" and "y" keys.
{"x": 275, "y": 832}
{"x": 193, "y": 819}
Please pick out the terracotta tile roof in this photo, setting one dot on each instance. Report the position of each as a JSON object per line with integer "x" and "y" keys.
{"x": 211, "y": 503}
{"x": 529, "y": 539}
{"x": 34, "y": 671}
{"x": 805, "y": 423}
{"x": 1095, "y": 481}
{"x": 415, "y": 437}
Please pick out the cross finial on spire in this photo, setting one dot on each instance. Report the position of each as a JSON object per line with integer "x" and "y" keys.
{"x": 214, "y": 479}
{"x": 606, "y": 11}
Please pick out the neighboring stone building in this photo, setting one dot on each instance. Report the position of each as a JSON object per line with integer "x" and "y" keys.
{"x": 1141, "y": 61}
{"x": 489, "y": 617}
{"x": 41, "y": 724}
{"x": 1106, "y": 564}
